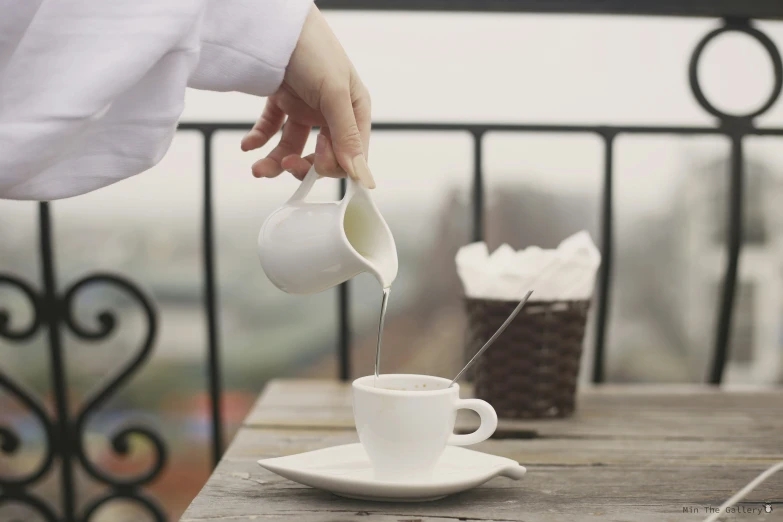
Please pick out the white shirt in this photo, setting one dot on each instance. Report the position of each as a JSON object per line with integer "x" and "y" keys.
{"x": 91, "y": 90}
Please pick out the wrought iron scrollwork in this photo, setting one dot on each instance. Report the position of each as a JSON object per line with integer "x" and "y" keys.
{"x": 66, "y": 441}
{"x": 30, "y": 293}
{"x": 106, "y": 323}
{"x": 9, "y": 440}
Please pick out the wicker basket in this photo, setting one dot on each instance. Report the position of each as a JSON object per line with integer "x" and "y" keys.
{"x": 532, "y": 369}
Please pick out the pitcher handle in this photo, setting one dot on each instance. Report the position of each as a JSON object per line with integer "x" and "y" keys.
{"x": 309, "y": 180}
{"x": 305, "y": 187}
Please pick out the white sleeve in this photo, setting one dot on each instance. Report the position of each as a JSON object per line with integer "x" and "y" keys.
{"x": 246, "y": 44}
{"x": 91, "y": 90}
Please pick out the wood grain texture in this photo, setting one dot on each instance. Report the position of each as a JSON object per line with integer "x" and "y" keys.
{"x": 629, "y": 454}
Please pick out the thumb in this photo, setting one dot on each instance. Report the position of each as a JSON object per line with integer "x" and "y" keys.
{"x": 347, "y": 141}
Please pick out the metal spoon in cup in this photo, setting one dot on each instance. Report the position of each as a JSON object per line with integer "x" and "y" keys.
{"x": 494, "y": 336}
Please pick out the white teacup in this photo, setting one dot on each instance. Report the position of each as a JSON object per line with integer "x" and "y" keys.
{"x": 406, "y": 422}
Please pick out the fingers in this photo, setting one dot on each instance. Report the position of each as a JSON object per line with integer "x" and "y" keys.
{"x": 297, "y": 166}
{"x": 347, "y": 142}
{"x": 292, "y": 141}
{"x": 363, "y": 112}
{"x": 325, "y": 160}
{"x": 267, "y": 126}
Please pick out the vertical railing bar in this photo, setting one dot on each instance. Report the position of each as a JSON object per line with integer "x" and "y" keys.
{"x": 63, "y": 440}
{"x": 478, "y": 185}
{"x": 214, "y": 380}
{"x": 343, "y": 317}
{"x": 607, "y": 216}
{"x": 734, "y": 239}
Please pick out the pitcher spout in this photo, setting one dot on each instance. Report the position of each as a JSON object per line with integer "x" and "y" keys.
{"x": 306, "y": 247}
{"x": 369, "y": 235}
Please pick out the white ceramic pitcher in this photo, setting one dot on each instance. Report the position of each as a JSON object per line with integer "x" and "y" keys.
{"x": 306, "y": 247}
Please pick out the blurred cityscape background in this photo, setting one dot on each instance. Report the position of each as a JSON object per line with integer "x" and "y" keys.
{"x": 670, "y": 223}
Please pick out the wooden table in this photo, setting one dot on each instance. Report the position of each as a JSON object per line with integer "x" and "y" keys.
{"x": 631, "y": 453}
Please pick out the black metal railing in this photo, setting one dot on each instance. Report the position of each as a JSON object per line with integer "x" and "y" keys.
{"x": 53, "y": 309}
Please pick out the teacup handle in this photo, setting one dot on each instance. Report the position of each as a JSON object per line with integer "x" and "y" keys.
{"x": 489, "y": 422}
{"x": 307, "y": 185}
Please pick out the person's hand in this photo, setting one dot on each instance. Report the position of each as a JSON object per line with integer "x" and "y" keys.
{"x": 320, "y": 88}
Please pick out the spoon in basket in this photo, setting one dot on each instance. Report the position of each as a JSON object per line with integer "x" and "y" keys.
{"x": 494, "y": 336}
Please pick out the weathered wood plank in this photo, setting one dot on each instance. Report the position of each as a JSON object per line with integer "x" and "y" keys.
{"x": 254, "y": 444}
{"x": 301, "y": 392}
{"x": 326, "y": 391}
{"x": 643, "y": 481}
{"x": 587, "y": 423}
{"x": 616, "y": 412}
{"x": 630, "y": 454}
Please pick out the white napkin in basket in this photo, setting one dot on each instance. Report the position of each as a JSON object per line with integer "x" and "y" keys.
{"x": 565, "y": 273}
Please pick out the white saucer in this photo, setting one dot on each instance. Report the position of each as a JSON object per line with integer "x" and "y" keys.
{"x": 346, "y": 471}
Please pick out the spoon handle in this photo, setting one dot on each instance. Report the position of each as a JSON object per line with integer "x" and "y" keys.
{"x": 494, "y": 336}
